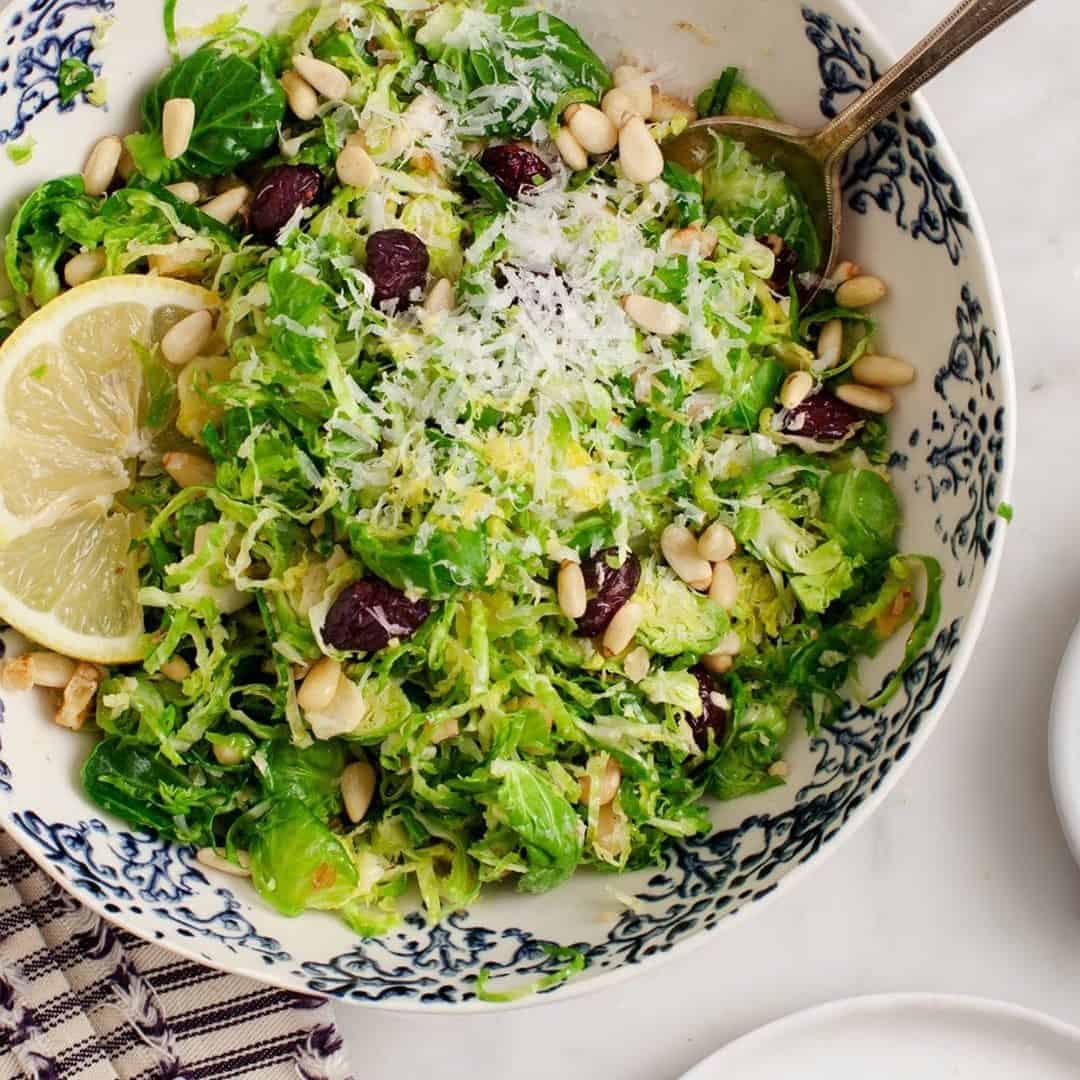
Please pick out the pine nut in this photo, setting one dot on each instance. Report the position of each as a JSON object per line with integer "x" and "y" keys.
{"x": 441, "y": 298}
{"x": 796, "y": 389}
{"x": 227, "y": 205}
{"x": 83, "y": 267}
{"x": 570, "y": 150}
{"x": 716, "y": 543}
{"x": 51, "y": 669}
{"x": 328, "y": 80}
{"x": 668, "y": 107}
{"x": 721, "y": 659}
{"x": 593, "y": 130}
{"x": 186, "y": 191}
{"x": 874, "y": 370}
{"x": 187, "y": 338}
{"x": 867, "y": 398}
{"x": 571, "y": 589}
{"x": 845, "y": 271}
{"x": 889, "y": 621}
{"x": 445, "y": 729}
{"x": 225, "y": 754}
{"x": 355, "y": 167}
{"x": 724, "y": 588}
{"x": 680, "y": 549}
{"x": 320, "y": 686}
{"x": 357, "y": 789}
{"x": 214, "y": 861}
{"x": 636, "y": 664}
{"x": 693, "y": 238}
{"x": 126, "y": 167}
{"x": 189, "y": 470}
{"x": 618, "y": 107}
{"x": 175, "y": 668}
{"x": 643, "y": 385}
{"x": 608, "y": 787}
{"x": 78, "y": 696}
{"x": 622, "y": 628}
{"x": 177, "y": 124}
{"x": 300, "y": 95}
{"x": 718, "y": 663}
{"x": 424, "y": 162}
{"x": 633, "y": 82}
{"x": 653, "y": 316}
{"x": 830, "y": 345}
{"x": 182, "y": 259}
{"x": 639, "y": 157}
{"x": 17, "y": 674}
{"x": 101, "y": 165}
{"x": 611, "y": 835}
{"x": 779, "y": 769}
{"x": 860, "y": 292}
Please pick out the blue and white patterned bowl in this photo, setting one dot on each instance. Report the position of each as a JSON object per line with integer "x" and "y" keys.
{"x": 913, "y": 222}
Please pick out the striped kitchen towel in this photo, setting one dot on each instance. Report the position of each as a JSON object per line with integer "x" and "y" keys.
{"x": 83, "y": 1000}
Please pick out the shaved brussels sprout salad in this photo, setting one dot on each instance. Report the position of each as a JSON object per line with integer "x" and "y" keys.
{"x": 523, "y": 493}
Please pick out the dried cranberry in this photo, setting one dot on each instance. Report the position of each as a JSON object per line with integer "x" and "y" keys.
{"x": 514, "y": 168}
{"x": 610, "y": 588}
{"x": 280, "y": 193}
{"x": 397, "y": 262}
{"x": 787, "y": 262}
{"x": 367, "y": 614}
{"x": 821, "y": 417}
{"x": 715, "y": 715}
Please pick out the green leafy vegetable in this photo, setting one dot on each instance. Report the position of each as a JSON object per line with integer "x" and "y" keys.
{"x": 297, "y": 862}
{"x": 860, "y": 510}
{"x": 744, "y": 100}
{"x": 506, "y": 67}
{"x": 73, "y": 77}
{"x": 55, "y": 217}
{"x": 20, "y": 153}
{"x": 712, "y": 101}
{"x": 925, "y": 625}
{"x": 129, "y": 779}
{"x": 544, "y": 822}
{"x": 759, "y": 201}
{"x": 238, "y": 106}
{"x": 677, "y": 619}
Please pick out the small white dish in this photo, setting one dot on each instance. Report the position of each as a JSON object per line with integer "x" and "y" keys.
{"x": 1065, "y": 743}
{"x": 901, "y": 1036}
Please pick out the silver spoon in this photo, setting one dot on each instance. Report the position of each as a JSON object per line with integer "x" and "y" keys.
{"x": 814, "y": 159}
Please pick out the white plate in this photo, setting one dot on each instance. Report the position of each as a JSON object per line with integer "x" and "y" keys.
{"x": 1065, "y": 743}
{"x": 903, "y": 1037}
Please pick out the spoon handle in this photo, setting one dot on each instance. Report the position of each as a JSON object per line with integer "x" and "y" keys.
{"x": 968, "y": 24}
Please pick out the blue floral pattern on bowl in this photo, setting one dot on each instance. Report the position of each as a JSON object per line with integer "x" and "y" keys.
{"x": 957, "y": 461}
{"x": 38, "y": 38}
{"x": 896, "y": 168}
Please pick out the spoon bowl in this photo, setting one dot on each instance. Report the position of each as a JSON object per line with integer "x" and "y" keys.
{"x": 789, "y": 149}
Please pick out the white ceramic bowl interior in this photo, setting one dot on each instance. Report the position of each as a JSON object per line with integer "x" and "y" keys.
{"x": 912, "y": 220}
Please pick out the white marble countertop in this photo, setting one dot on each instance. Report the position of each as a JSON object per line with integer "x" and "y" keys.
{"x": 962, "y": 881}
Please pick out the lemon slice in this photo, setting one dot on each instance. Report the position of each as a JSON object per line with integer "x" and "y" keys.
{"x": 71, "y": 398}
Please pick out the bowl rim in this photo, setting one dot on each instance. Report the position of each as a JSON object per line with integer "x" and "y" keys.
{"x": 873, "y": 1004}
{"x": 982, "y": 254}
{"x": 1064, "y": 743}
